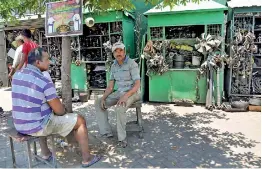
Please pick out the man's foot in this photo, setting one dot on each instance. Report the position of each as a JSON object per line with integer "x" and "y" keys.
{"x": 48, "y": 158}
{"x": 108, "y": 135}
{"x": 94, "y": 160}
{"x": 122, "y": 144}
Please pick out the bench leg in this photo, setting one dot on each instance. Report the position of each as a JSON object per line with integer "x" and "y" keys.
{"x": 139, "y": 116}
{"x": 12, "y": 151}
{"x": 53, "y": 151}
{"x": 35, "y": 152}
{"x": 29, "y": 154}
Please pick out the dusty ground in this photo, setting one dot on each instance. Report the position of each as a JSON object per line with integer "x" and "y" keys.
{"x": 174, "y": 136}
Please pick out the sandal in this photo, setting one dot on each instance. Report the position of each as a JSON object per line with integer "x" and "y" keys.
{"x": 95, "y": 160}
{"x": 50, "y": 158}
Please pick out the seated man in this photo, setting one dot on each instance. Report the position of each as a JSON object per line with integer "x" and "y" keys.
{"x": 37, "y": 111}
{"x": 125, "y": 73}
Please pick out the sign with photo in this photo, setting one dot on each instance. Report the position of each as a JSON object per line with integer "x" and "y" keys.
{"x": 64, "y": 18}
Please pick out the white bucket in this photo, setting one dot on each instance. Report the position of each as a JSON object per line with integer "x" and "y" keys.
{"x": 196, "y": 60}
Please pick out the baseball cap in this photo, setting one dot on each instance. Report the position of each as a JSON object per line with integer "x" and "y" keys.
{"x": 20, "y": 37}
{"x": 118, "y": 45}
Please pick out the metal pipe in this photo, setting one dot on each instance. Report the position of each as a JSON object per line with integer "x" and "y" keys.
{"x": 218, "y": 88}
{"x": 211, "y": 86}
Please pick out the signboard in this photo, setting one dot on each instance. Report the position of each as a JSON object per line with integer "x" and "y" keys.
{"x": 64, "y": 18}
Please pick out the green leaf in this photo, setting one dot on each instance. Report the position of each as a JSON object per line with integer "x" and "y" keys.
{"x": 20, "y": 7}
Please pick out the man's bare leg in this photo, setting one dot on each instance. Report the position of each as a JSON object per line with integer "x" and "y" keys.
{"x": 44, "y": 148}
{"x": 82, "y": 138}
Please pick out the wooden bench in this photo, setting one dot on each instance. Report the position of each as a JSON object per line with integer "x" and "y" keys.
{"x": 137, "y": 125}
{"x": 20, "y": 138}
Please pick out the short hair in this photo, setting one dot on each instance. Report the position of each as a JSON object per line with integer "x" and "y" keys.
{"x": 35, "y": 54}
{"x": 27, "y": 33}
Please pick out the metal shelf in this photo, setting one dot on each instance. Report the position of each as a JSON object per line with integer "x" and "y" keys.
{"x": 174, "y": 69}
{"x": 97, "y": 89}
{"x": 183, "y": 39}
{"x": 257, "y": 29}
{"x": 256, "y": 67}
{"x": 245, "y": 95}
{"x": 257, "y": 42}
{"x": 116, "y": 33}
{"x": 91, "y": 47}
{"x": 93, "y": 61}
{"x": 93, "y": 36}
{"x": 256, "y": 54}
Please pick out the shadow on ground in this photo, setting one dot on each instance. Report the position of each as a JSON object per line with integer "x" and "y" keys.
{"x": 170, "y": 140}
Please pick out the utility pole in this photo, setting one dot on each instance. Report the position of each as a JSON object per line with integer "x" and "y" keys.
{"x": 66, "y": 74}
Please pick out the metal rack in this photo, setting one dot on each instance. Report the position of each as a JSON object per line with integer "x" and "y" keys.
{"x": 93, "y": 54}
{"x": 242, "y": 83}
{"x": 176, "y": 35}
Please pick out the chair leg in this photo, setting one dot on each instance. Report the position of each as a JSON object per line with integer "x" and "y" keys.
{"x": 35, "y": 152}
{"x": 53, "y": 151}
{"x": 12, "y": 152}
{"x": 139, "y": 116}
{"x": 29, "y": 154}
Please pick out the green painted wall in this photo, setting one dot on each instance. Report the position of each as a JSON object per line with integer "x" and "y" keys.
{"x": 179, "y": 19}
{"x": 103, "y": 17}
{"x": 223, "y": 2}
{"x": 129, "y": 37}
{"x": 78, "y": 77}
{"x": 180, "y": 84}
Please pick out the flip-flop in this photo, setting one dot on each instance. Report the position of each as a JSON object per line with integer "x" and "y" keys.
{"x": 50, "y": 158}
{"x": 95, "y": 159}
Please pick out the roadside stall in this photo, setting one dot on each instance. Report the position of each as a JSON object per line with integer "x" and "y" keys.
{"x": 177, "y": 36}
{"x": 245, "y": 71}
{"x": 93, "y": 61}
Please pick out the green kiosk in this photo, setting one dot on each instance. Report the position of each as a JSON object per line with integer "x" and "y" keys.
{"x": 181, "y": 25}
{"x": 91, "y": 73}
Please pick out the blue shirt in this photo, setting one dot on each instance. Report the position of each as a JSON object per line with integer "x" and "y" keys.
{"x": 125, "y": 75}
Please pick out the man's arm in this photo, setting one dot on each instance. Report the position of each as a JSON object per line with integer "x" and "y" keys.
{"x": 57, "y": 107}
{"x": 135, "y": 75}
{"x": 53, "y": 100}
{"x": 21, "y": 62}
{"x": 134, "y": 89}
{"x": 15, "y": 63}
{"x": 109, "y": 89}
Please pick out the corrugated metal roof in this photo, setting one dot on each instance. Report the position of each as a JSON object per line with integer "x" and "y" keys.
{"x": 243, "y": 3}
{"x": 190, "y": 6}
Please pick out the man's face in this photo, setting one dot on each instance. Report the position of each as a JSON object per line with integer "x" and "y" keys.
{"x": 119, "y": 54}
{"x": 19, "y": 43}
{"x": 43, "y": 64}
{"x": 24, "y": 38}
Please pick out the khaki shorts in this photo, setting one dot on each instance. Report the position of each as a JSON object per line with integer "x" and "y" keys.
{"x": 61, "y": 125}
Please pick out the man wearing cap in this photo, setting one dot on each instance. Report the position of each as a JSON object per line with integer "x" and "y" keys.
{"x": 37, "y": 111}
{"x": 125, "y": 73}
{"x": 18, "y": 54}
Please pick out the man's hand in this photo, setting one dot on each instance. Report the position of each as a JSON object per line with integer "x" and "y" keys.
{"x": 122, "y": 101}
{"x": 57, "y": 107}
{"x": 103, "y": 104}
{"x": 9, "y": 76}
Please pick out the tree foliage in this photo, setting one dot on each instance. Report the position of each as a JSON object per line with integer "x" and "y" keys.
{"x": 11, "y": 9}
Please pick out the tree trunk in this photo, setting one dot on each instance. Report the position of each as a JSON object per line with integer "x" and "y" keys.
{"x": 66, "y": 74}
